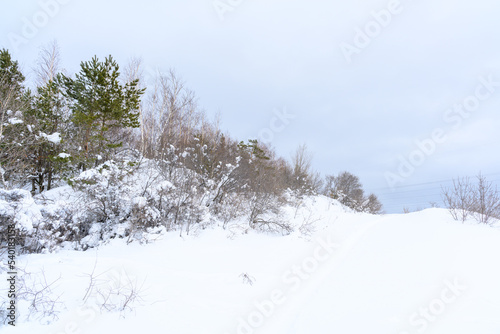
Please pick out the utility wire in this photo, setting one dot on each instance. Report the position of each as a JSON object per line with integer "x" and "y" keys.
{"x": 430, "y": 182}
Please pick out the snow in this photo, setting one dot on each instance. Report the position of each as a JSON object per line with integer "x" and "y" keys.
{"x": 24, "y": 209}
{"x": 345, "y": 273}
{"x": 139, "y": 202}
{"x": 166, "y": 185}
{"x": 53, "y": 138}
{"x": 64, "y": 155}
{"x": 15, "y": 120}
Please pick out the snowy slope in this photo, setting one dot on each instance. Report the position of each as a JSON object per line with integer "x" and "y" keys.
{"x": 356, "y": 273}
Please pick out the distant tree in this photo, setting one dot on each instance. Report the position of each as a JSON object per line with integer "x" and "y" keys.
{"x": 48, "y": 64}
{"x": 169, "y": 117}
{"x": 303, "y": 179}
{"x": 301, "y": 162}
{"x": 372, "y": 205}
{"x": 348, "y": 190}
{"x": 100, "y": 105}
{"x": 253, "y": 149}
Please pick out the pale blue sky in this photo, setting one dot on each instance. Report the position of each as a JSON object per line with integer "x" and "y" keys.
{"x": 360, "y": 115}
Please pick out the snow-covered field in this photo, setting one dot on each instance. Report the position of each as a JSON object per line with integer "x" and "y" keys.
{"x": 341, "y": 272}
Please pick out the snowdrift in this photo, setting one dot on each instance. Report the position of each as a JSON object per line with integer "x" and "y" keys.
{"x": 338, "y": 272}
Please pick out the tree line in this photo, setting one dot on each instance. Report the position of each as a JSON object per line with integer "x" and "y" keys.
{"x": 101, "y": 117}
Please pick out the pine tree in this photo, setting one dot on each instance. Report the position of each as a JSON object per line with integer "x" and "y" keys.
{"x": 101, "y": 105}
{"x": 11, "y": 86}
{"x": 11, "y": 78}
{"x": 47, "y": 116}
{"x": 12, "y": 129}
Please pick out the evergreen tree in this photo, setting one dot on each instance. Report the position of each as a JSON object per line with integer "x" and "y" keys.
{"x": 11, "y": 78}
{"x": 12, "y": 129}
{"x": 47, "y": 118}
{"x": 11, "y": 86}
{"x": 101, "y": 105}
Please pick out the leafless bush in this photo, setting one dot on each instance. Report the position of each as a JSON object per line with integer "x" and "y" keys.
{"x": 271, "y": 226}
{"x": 247, "y": 279}
{"x": 459, "y": 198}
{"x": 120, "y": 296}
{"x": 486, "y": 206}
{"x": 182, "y": 201}
{"x": 232, "y": 206}
{"x": 480, "y": 201}
{"x": 93, "y": 277}
{"x": 262, "y": 204}
{"x": 114, "y": 291}
{"x": 307, "y": 227}
{"x": 43, "y": 304}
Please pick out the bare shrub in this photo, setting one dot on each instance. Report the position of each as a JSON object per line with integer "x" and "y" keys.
{"x": 120, "y": 295}
{"x": 247, "y": 279}
{"x": 459, "y": 198}
{"x": 486, "y": 206}
{"x": 36, "y": 291}
{"x": 273, "y": 226}
{"x": 307, "y": 227}
{"x": 480, "y": 201}
{"x": 232, "y": 206}
{"x": 114, "y": 291}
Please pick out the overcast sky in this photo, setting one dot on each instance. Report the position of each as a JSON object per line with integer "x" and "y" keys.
{"x": 397, "y": 92}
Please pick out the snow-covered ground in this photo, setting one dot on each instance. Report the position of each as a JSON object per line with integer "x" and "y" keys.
{"x": 353, "y": 273}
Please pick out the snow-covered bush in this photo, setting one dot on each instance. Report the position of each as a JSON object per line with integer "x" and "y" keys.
{"x": 143, "y": 214}
{"x": 266, "y": 214}
{"x": 107, "y": 191}
{"x": 178, "y": 198}
{"x": 121, "y": 199}
{"x": 231, "y": 206}
{"x": 63, "y": 221}
{"x": 17, "y": 208}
